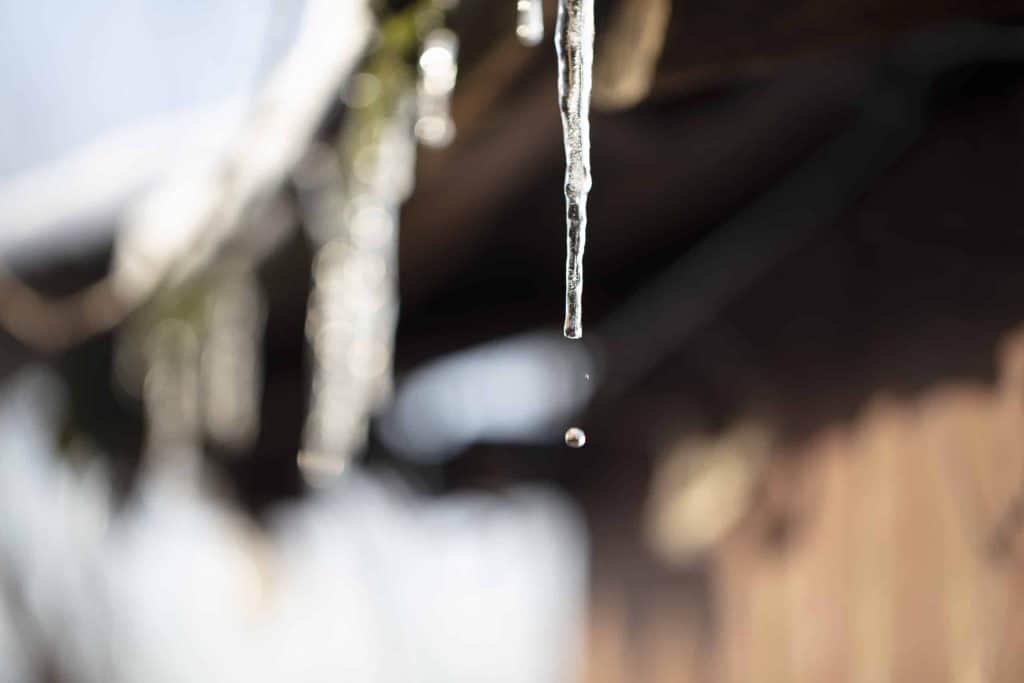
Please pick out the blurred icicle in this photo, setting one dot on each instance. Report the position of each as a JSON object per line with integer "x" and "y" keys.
{"x": 530, "y": 21}
{"x": 193, "y": 356}
{"x": 232, "y": 357}
{"x": 352, "y": 211}
{"x": 171, "y": 396}
{"x": 438, "y": 69}
{"x": 632, "y": 38}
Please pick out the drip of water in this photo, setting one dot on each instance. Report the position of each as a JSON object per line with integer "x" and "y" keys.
{"x": 530, "y": 21}
{"x": 575, "y": 437}
{"x": 574, "y": 45}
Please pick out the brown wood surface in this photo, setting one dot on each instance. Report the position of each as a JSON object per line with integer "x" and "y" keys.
{"x": 895, "y": 571}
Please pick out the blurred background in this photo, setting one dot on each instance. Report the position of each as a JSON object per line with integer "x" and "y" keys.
{"x": 284, "y": 389}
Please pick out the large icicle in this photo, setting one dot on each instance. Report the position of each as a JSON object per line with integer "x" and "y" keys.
{"x": 574, "y": 44}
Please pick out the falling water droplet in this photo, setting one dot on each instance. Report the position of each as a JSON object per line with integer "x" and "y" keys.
{"x": 529, "y": 21}
{"x": 574, "y": 45}
{"x": 575, "y": 437}
{"x": 586, "y": 376}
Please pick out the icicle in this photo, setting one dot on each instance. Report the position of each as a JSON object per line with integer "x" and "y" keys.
{"x": 438, "y": 69}
{"x": 170, "y": 394}
{"x": 574, "y": 44}
{"x": 231, "y": 359}
{"x": 193, "y": 355}
{"x": 530, "y": 21}
{"x": 352, "y": 211}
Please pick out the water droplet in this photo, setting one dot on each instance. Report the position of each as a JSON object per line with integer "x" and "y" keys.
{"x": 586, "y": 376}
{"x": 575, "y": 437}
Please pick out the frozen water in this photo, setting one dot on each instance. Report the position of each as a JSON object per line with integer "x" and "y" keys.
{"x": 574, "y": 45}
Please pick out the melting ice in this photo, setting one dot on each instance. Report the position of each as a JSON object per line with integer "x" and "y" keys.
{"x": 574, "y": 45}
